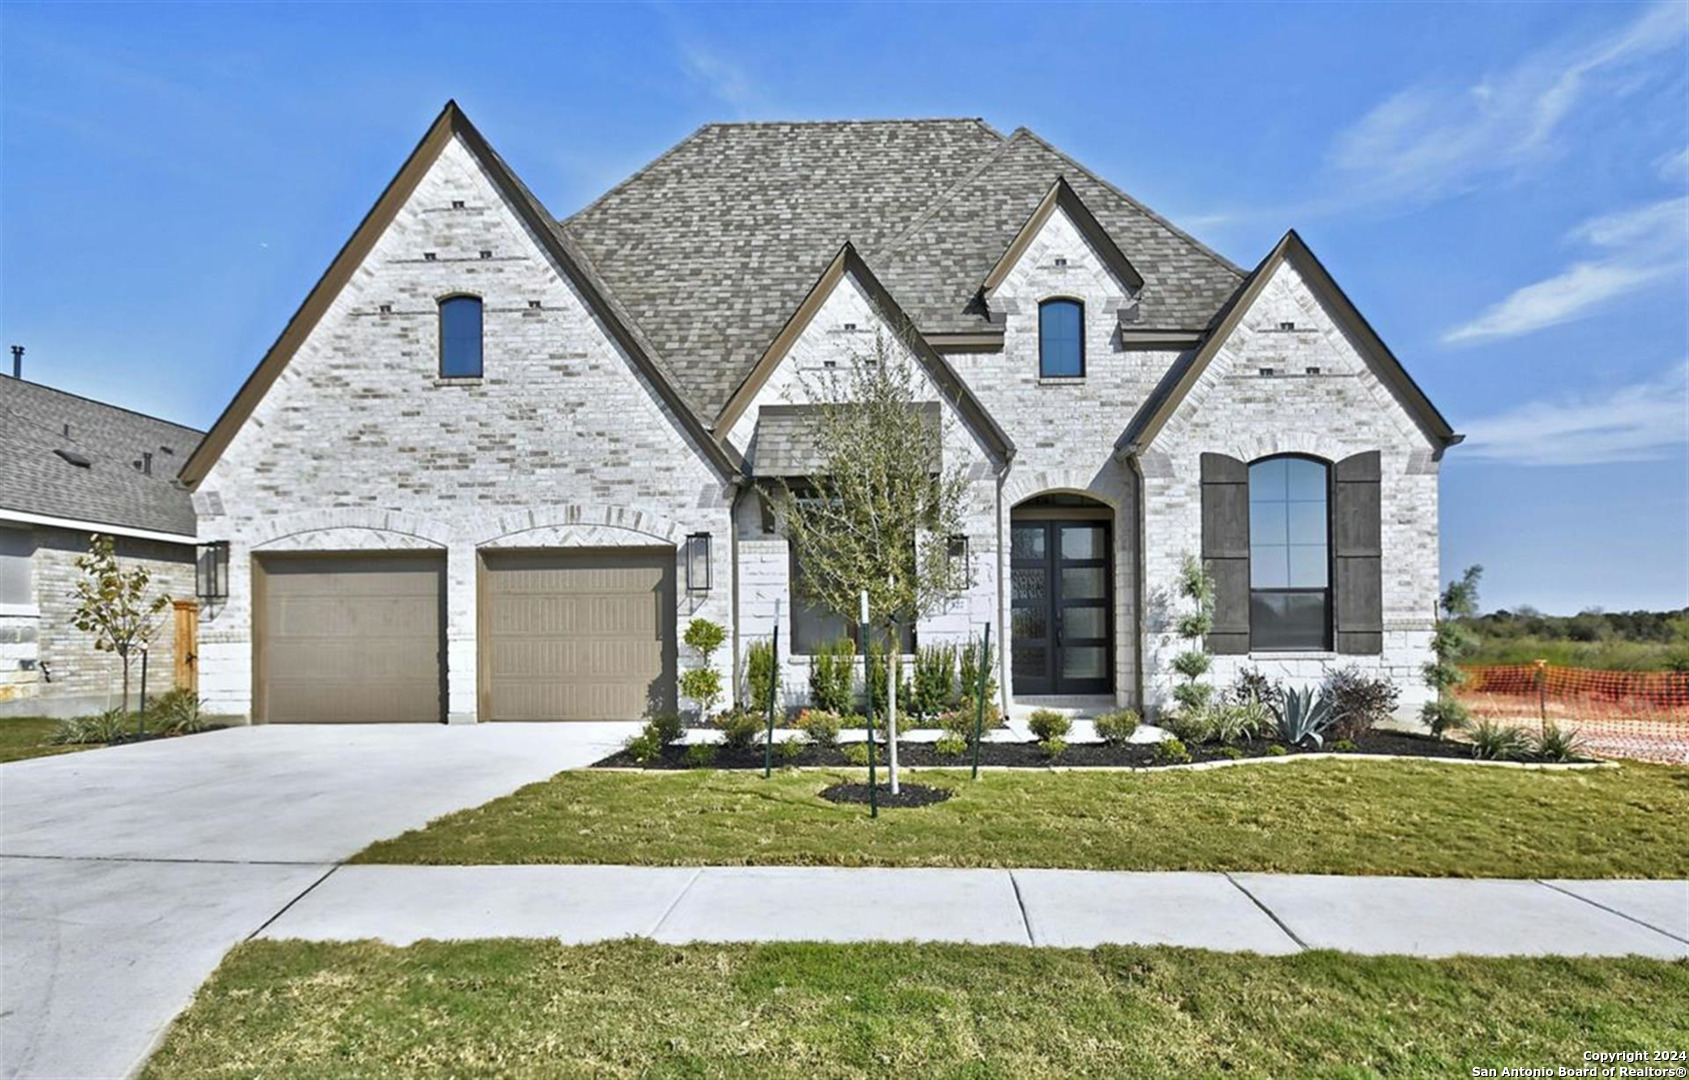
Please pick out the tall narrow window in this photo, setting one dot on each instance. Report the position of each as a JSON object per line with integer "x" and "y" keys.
{"x": 1289, "y": 555}
{"x": 1061, "y": 339}
{"x": 460, "y": 337}
{"x": 17, "y": 554}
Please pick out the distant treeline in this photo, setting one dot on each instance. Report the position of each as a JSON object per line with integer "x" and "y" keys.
{"x": 1613, "y": 640}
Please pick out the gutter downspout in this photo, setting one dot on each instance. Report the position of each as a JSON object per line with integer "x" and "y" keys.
{"x": 1002, "y": 595}
{"x": 1136, "y": 468}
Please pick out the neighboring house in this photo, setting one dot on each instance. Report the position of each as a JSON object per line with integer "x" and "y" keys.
{"x": 71, "y": 467}
{"x": 497, "y": 461}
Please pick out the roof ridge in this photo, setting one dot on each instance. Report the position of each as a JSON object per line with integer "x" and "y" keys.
{"x": 105, "y": 404}
{"x": 980, "y": 120}
{"x": 945, "y": 196}
{"x": 636, "y": 174}
{"x": 1224, "y": 262}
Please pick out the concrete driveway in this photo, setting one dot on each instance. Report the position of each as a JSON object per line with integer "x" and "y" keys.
{"x": 126, "y": 874}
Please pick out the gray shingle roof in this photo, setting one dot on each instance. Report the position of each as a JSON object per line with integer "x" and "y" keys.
{"x": 786, "y": 440}
{"x": 711, "y": 247}
{"x": 36, "y": 479}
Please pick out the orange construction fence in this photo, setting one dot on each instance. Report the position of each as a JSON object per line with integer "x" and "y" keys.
{"x": 1633, "y": 714}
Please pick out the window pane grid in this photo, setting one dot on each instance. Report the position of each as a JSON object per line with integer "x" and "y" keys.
{"x": 1289, "y": 555}
{"x": 1061, "y": 345}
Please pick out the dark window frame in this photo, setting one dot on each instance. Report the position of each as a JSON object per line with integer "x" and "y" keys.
{"x": 440, "y": 304}
{"x": 1328, "y": 591}
{"x": 1079, "y": 306}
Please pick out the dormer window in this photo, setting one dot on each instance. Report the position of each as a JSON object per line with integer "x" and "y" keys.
{"x": 460, "y": 337}
{"x": 1061, "y": 339}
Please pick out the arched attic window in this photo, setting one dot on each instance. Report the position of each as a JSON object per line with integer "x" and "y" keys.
{"x": 460, "y": 337}
{"x": 1289, "y": 554}
{"x": 1061, "y": 339}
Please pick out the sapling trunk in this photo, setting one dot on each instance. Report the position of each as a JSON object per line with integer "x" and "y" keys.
{"x": 893, "y": 655}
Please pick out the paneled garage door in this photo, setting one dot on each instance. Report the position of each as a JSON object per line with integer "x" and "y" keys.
{"x": 349, "y": 638}
{"x": 583, "y": 634}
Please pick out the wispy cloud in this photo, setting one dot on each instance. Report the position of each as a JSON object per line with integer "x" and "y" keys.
{"x": 1642, "y": 246}
{"x": 1673, "y": 166}
{"x": 722, "y": 77}
{"x": 1433, "y": 139}
{"x": 1645, "y": 421}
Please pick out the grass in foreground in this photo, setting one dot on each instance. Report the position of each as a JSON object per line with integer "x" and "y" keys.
{"x": 1332, "y": 817}
{"x": 29, "y": 736}
{"x": 634, "y": 1008}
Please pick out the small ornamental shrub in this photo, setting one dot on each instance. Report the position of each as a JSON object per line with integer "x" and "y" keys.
{"x": 665, "y": 727}
{"x": 1445, "y": 715}
{"x": 740, "y": 729}
{"x": 1235, "y": 723}
{"x": 935, "y": 680}
{"x": 1451, "y": 643}
{"x": 832, "y": 670}
{"x": 857, "y": 754}
{"x": 759, "y": 673}
{"x": 1116, "y": 728}
{"x": 643, "y": 748}
{"x": 1558, "y": 744}
{"x": 1276, "y": 750}
{"x": 107, "y": 727}
{"x": 820, "y": 727}
{"x": 1358, "y": 703}
{"x": 1172, "y": 752}
{"x": 1499, "y": 742}
{"x": 1231, "y": 752}
{"x": 788, "y": 750}
{"x": 950, "y": 746}
{"x": 1196, "y": 585}
{"x": 175, "y": 712}
{"x": 1047, "y": 724}
{"x": 1344, "y": 746}
{"x": 702, "y": 684}
{"x": 1053, "y": 747}
{"x": 1252, "y": 687}
{"x": 700, "y": 755}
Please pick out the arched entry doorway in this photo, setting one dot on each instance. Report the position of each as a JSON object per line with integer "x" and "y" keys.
{"x": 1061, "y": 596}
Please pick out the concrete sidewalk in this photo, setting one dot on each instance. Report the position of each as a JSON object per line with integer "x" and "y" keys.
{"x": 1264, "y": 913}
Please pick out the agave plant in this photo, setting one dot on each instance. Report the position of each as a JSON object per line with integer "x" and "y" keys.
{"x": 1499, "y": 742}
{"x": 1303, "y": 715}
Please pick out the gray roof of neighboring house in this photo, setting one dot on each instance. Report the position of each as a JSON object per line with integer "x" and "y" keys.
{"x": 711, "y": 247}
{"x": 36, "y": 478}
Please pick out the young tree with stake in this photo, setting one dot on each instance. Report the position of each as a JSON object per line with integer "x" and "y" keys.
{"x": 877, "y": 516}
{"x": 112, "y": 604}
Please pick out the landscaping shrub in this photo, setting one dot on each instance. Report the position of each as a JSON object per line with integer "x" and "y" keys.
{"x": 1188, "y": 725}
{"x": 644, "y": 748}
{"x": 969, "y": 662}
{"x": 1116, "y": 728}
{"x": 832, "y": 670}
{"x": 665, "y": 727}
{"x": 176, "y": 712}
{"x": 1358, "y": 702}
{"x": 789, "y": 750}
{"x": 1048, "y": 724}
{"x": 857, "y": 754}
{"x": 1344, "y": 746}
{"x": 950, "y": 746}
{"x": 1276, "y": 750}
{"x": 1172, "y": 752}
{"x": 935, "y": 680}
{"x": 1053, "y": 747}
{"x": 1231, "y": 752}
{"x": 1303, "y": 716}
{"x": 1252, "y": 687}
{"x": 820, "y": 727}
{"x": 702, "y": 684}
{"x": 107, "y": 727}
{"x": 1558, "y": 744}
{"x": 700, "y": 755}
{"x": 740, "y": 729}
{"x": 759, "y": 673}
{"x": 1445, "y": 715}
{"x": 1499, "y": 742}
{"x": 1234, "y": 723}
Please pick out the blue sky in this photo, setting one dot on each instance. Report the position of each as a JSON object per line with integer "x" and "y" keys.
{"x": 1501, "y": 188}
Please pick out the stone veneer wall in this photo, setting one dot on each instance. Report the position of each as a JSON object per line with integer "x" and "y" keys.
{"x": 1342, "y": 409}
{"x": 360, "y": 445}
{"x": 49, "y": 666}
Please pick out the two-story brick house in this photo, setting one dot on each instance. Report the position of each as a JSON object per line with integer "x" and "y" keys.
{"x": 497, "y": 461}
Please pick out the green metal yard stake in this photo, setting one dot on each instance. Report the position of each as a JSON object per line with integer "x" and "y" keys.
{"x": 979, "y": 693}
{"x": 773, "y": 692}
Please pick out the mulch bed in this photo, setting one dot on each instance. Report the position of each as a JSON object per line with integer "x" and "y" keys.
{"x": 907, "y": 795}
{"x": 1027, "y": 755}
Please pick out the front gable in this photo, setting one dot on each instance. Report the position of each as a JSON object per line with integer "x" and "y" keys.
{"x": 1061, "y": 250}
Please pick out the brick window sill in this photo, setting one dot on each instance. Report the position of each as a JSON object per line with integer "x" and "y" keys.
{"x": 458, "y": 380}
{"x": 1061, "y": 380}
{"x": 19, "y": 611}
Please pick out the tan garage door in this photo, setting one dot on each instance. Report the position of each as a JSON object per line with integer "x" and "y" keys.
{"x": 577, "y": 635}
{"x": 349, "y": 638}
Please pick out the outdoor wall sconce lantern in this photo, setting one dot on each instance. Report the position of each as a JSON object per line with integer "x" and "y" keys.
{"x": 211, "y": 570}
{"x": 958, "y": 551}
{"x": 698, "y": 562}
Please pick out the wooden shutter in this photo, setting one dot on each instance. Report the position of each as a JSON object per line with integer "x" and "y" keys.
{"x": 1225, "y": 550}
{"x": 1357, "y": 540}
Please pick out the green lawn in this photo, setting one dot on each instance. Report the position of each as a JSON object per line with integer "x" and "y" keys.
{"x": 634, "y": 1008}
{"x": 1342, "y": 817}
{"x": 27, "y": 736}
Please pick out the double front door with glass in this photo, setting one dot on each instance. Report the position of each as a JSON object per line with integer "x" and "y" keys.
{"x": 1061, "y": 607}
